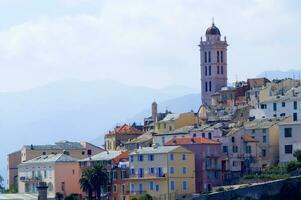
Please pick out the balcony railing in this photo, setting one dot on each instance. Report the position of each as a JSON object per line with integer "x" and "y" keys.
{"x": 30, "y": 179}
{"x": 148, "y": 176}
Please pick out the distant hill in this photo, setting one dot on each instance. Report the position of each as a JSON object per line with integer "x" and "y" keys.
{"x": 295, "y": 74}
{"x": 75, "y": 110}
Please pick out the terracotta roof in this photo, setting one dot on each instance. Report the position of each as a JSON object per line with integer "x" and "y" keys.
{"x": 248, "y": 138}
{"x": 191, "y": 140}
{"x": 125, "y": 129}
{"x": 257, "y": 82}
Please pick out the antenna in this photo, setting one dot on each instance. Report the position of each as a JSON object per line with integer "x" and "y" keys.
{"x": 212, "y": 20}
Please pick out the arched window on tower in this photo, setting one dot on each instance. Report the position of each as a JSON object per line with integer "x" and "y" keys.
{"x": 222, "y": 56}
{"x": 205, "y": 57}
{"x": 222, "y": 70}
{"x": 217, "y": 56}
{"x": 217, "y": 70}
{"x": 210, "y": 86}
{"x": 209, "y": 56}
{"x": 206, "y": 87}
{"x": 209, "y": 70}
{"x": 205, "y": 70}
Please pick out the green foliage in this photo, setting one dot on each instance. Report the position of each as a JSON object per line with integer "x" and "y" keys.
{"x": 12, "y": 189}
{"x": 292, "y": 166}
{"x": 59, "y": 196}
{"x": 297, "y": 154}
{"x": 220, "y": 189}
{"x": 146, "y": 197}
{"x": 73, "y": 197}
{"x": 2, "y": 189}
{"x": 134, "y": 198}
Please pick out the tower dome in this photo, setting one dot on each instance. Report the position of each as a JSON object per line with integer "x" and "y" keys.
{"x": 213, "y": 30}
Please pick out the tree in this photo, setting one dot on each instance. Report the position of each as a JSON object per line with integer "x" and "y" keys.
{"x": 297, "y": 154}
{"x": 86, "y": 182}
{"x": 100, "y": 179}
{"x": 1, "y": 184}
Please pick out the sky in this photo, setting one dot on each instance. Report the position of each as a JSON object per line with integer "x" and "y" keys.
{"x": 139, "y": 42}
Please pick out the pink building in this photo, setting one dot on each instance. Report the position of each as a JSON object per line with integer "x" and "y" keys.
{"x": 208, "y": 157}
{"x": 61, "y": 173}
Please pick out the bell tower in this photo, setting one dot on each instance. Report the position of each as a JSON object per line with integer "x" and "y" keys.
{"x": 213, "y": 54}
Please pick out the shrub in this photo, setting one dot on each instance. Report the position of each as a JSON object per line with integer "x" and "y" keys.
{"x": 59, "y": 196}
{"x": 220, "y": 189}
{"x": 72, "y": 197}
{"x": 297, "y": 154}
{"x": 292, "y": 166}
{"x": 146, "y": 197}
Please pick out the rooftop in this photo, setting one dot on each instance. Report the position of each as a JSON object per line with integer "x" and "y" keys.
{"x": 191, "y": 140}
{"x": 104, "y": 156}
{"x": 171, "y": 117}
{"x": 125, "y": 129}
{"x": 262, "y": 123}
{"x": 63, "y": 145}
{"x": 154, "y": 150}
{"x": 51, "y": 158}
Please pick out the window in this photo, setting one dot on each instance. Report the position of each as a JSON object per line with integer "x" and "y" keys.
{"x": 140, "y": 172}
{"x": 114, "y": 188}
{"x": 132, "y": 188}
{"x": 288, "y": 149}
{"x": 131, "y": 158}
{"x": 159, "y": 172}
{"x": 222, "y": 56}
{"x": 233, "y": 139}
{"x": 217, "y": 56}
{"x": 206, "y": 86}
{"x": 208, "y": 174}
{"x": 151, "y": 170}
{"x": 210, "y": 88}
{"x": 170, "y": 128}
{"x": 206, "y": 71}
{"x": 210, "y": 70}
{"x": 283, "y": 104}
{"x": 89, "y": 152}
{"x": 184, "y": 170}
{"x": 132, "y": 171}
{"x": 123, "y": 189}
{"x": 216, "y": 174}
{"x": 209, "y": 57}
{"x": 205, "y": 57}
{"x": 140, "y": 158}
{"x": 217, "y": 70}
{"x": 264, "y": 139}
{"x": 140, "y": 188}
{"x": 203, "y": 135}
{"x": 215, "y": 163}
{"x": 183, "y": 156}
{"x": 171, "y": 170}
{"x": 234, "y": 149}
{"x": 274, "y": 106}
{"x": 151, "y": 157}
{"x": 83, "y": 152}
{"x": 264, "y": 152}
{"x": 248, "y": 149}
{"x": 253, "y": 131}
{"x": 264, "y": 130}
{"x": 171, "y": 157}
{"x": 157, "y": 187}
{"x": 163, "y": 140}
{"x": 295, "y": 105}
{"x": 288, "y": 132}
{"x": 151, "y": 185}
{"x": 282, "y": 115}
{"x": 63, "y": 186}
{"x": 295, "y": 117}
{"x": 209, "y": 135}
{"x": 225, "y": 149}
{"x": 222, "y": 70}
{"x": 115, "y": 175}
{"x": 184, "y": 185}
{"x": 172, "y": 185}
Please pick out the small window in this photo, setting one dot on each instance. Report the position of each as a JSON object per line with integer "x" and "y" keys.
{"x": 283, "y": 104}
{"x": 115, "y": 188}
{"x": 288, "y": 149}
{"x": 295, "y": 105}
{"x": 225, "y": 149}
{"x": 203, "y": 135}
{"x": 210, "y": 70}
{"x": 264, "y": 152}
{"x": 217, "y": 70}
{"x": 222, "y": 56}
{"x": 171, "y": 156}
{"x": 288, "y": 132}
{"x": 295, "y": 117}
{"x": 140, "y": 158}
{"x": 209, "y": 135}
{"x": 151, "y": 157}
{"x": 151, "y": 185}
{"x": 264, "y": 139}
{"x": 184, "y": 185}
{"x": 210, "y": 86}
{"x": 264, "y": 130}
{"x": 209, "y": 57}
{"x": 172, "y": 185}
{"x": 205, "y": 57}
{"x": 217, "y": 56}
{"x": 132, "y": 158}
{"x": 157, "y": 187}
{"x": 274, "y": 106}
{"x": 233, "y": 139}
{"x": 184, "y": 170}
{"x": 183, "y": 156}
{"x": 171, "y": 170}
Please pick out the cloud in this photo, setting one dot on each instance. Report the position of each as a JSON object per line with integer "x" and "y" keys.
{"x": 151, "y": 43}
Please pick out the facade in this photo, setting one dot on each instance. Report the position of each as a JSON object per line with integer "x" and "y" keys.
{"x": 266, "y": 132}
{"x": 288, "y": 104}
{"x": 164, "y": 172}
{"x": 175, "y": 121}
{"x": 208, "y": 159}
{"x": 78, "y": 150}
{"x": 213, "y": 63}
{"x": 13, "y": 160}
{"x": 60, "y": 172}
{"x": 116, "y": 138}
{"x": 289, "y": 141}
{"x": 116, "y": 165}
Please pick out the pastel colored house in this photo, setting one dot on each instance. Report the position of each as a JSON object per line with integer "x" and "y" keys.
{"x": 175, "y": 121}
{"x": 208, "y": 157}
{"x": 164, "y": 172}
{"x": 116, "y": 165}
{"x": 61, "y": 173}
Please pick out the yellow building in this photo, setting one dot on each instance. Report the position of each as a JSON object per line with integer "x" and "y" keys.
{"x": 164, "y": 172}
{"x": 175, "y": 121}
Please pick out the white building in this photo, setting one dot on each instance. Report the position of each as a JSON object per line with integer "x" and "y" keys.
{"x": 289, "y": 141}
{"x": 288, "y": 104}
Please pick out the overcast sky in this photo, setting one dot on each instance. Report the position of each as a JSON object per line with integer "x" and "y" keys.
{"x": 148, "y": 43}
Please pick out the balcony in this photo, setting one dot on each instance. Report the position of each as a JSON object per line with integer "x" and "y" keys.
{"x": 30, "y": 179}
{"x": 148, "y": 176}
